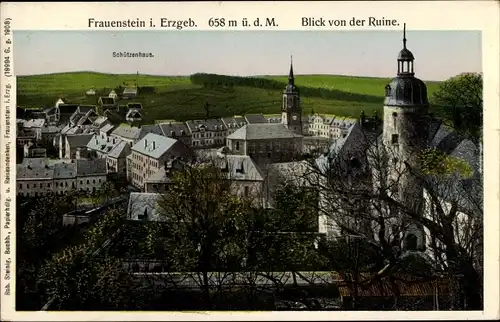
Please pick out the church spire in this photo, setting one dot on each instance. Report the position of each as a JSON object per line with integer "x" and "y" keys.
{"x": 291, "y": 78}
{"x": 404, "y": 35}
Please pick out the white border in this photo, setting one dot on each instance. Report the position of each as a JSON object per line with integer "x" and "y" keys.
{"x": 420, "y": 15}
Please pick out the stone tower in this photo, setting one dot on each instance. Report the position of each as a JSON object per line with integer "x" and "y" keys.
{"x": 404, "y": 137}
{"x": 291, "y": 112}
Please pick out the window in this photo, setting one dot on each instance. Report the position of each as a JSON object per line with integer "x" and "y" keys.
{"x": 34, "y": 185}
{"x": 99, "y": 180}
{"x": 93, "y": 181}
{"x": 27, "y": 185}
{"x": 20, "y": 186}
{"x": 246, "y": 191}
{"x": 387, "y": 90}
{"x": 81, "y": 181}
{"x": 411, "y": 242}
{"x": 395, "y": 139}
{"x": 88, "y": 181}
{"x": 237, "y": 145}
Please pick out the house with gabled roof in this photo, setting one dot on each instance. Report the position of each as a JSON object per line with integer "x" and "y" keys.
{"x": 130, "y": 92}
{"x": 64, "y": 112}
{"x": 106, "y": 103}
{"x": 176, "y": 130}
{"x": 233, "y": 123}
{"x": 266, "y": 142}
{"x": 127, "y": 133}
{"x": 117, "y": 158}
{"x": 113, "y": 94}
{"x": 72, "y": 143}
{"x": 207, "y": 133}
{"x": 151, "y": 153}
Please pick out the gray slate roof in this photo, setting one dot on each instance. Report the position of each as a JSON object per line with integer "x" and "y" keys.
{"x": 255, "y": 118}
{"x": 65, "y": 170}
{"x": 95, "y": 167}
{"x": 263, "y": 131}
{"x": 67, "y": 109}
{"x": 51, "y": 129}
{"x": 103, "y": 143}
{"x": 234, "y": 122}
{"x": 34, "y": 123}
{"x": 127, "y": 131}
{"x": 32, "y": 172}
{"x": 174, "y": 129}
{"x": 146, "y": 129}
{"x": 237, "y": 167}
{"x": 120, "y": 151}
{"x": 141, "y": 204}
{"x": 78, "y": 140}
{"x": 154, "y": 145}
{"x": 208, "y": 125}
{"x": 107, "y": 128}
{"x": 99, "y": 121}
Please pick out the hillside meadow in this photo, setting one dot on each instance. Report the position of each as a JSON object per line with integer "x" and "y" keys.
{"x": 184, "y": 97}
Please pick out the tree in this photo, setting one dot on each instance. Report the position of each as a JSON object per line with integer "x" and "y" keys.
{"x": 462, "y": 99}
{"x": 79, "y": 281}
{"x": 360, "y": 199}
{"x": 40, "y": 234}
{"x": 79, "y": 277}
{"x": 204, "y": 225}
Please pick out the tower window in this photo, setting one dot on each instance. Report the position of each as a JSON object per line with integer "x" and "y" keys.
{"x": 387, "y": 90}
{"x": 394, "y": 114}
{"x": 411, "y": 242}
{"x": 237, "y": 145}
{"x": 395, "y": 139}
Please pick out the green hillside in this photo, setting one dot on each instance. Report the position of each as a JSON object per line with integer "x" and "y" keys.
{"x": 184, "y": 97}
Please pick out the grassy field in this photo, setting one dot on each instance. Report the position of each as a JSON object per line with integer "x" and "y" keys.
{"x": 179, "y": 98}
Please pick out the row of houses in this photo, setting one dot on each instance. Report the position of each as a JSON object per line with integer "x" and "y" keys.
{"x": 38, "y": 176}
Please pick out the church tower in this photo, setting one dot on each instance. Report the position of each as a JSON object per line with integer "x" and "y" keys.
{"x": 291, "y": 112}
{"x": 404, "y": 137}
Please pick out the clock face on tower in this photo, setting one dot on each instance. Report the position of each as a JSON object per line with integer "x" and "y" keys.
{"x": 294, "y": 117}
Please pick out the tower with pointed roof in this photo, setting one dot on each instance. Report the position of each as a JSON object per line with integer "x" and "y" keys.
{"x": 404, "y": 137}
{"x": 291, "y": 111}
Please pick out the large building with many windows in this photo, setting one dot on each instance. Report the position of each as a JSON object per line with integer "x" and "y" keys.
{"x": 152, "y": 153}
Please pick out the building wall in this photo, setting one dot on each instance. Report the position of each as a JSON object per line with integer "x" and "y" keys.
{"x": 117, "y": 165}
{"x": 403, "y": 138}
{"x": 208, "y": 138}
{"x": 143, "y": 166}
{"x": 237, "y": 147}
{"x": 34, "y": 188}
{"x": 62, "y": 186}
{"x": 253, "y": 190}
{"x": 276, "y": 150}
{"x": 90, "y": 183}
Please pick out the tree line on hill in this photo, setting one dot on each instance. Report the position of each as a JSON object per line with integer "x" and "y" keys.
{"x": 218, "y": 81}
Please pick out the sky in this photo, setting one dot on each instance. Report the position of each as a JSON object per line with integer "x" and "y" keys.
{"x": 438, "y": 54}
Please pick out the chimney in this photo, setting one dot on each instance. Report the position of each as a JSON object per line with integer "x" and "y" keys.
{"x": 145, "y": 143}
